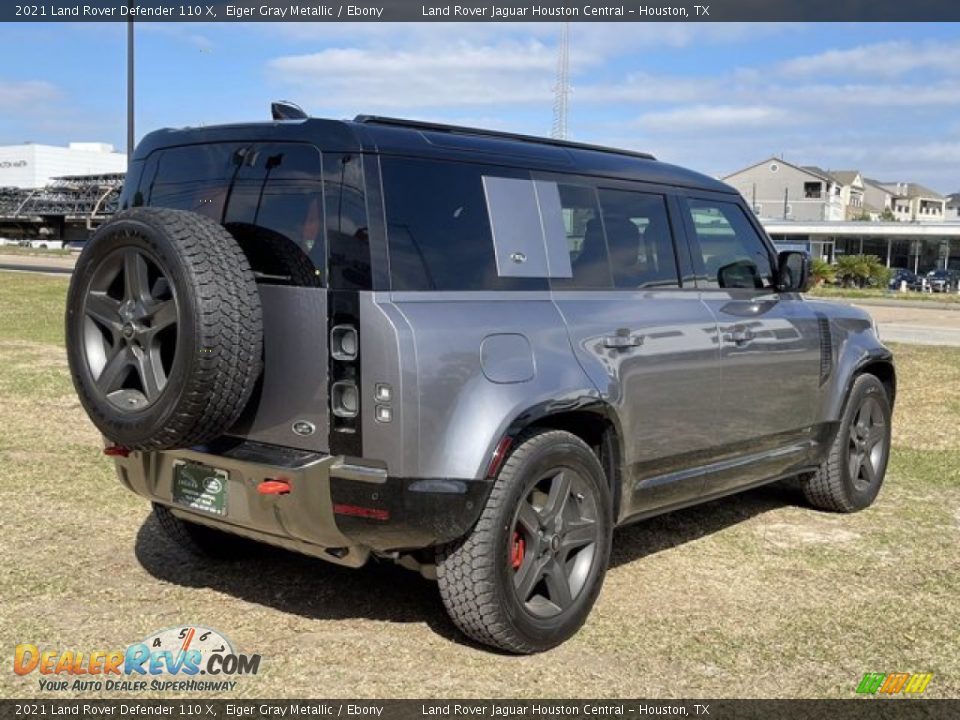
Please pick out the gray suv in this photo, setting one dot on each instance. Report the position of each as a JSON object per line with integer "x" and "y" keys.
{"x": 473, "y": 353}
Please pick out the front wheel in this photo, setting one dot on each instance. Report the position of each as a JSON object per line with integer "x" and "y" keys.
{"x": 526, "y": 577}
{"x": 851, "y": 476}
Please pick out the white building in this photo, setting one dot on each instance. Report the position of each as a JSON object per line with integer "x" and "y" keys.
{"x": 32, "y": 166}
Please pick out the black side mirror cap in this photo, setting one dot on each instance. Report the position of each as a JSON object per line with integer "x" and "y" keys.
{"x": 793, "y": 271}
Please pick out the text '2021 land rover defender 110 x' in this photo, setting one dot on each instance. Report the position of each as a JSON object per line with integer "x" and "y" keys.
{"x": 471, "y": 352}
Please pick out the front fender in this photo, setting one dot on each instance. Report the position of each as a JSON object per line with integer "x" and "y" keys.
{"x": 856, "y": 346}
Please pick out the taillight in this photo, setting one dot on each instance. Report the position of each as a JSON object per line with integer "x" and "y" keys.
{"x": 345, "y": 399}
{"x": 344, "y": 343}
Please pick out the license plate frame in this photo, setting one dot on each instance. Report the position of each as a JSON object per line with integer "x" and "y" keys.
{"x": 200, "y": 487}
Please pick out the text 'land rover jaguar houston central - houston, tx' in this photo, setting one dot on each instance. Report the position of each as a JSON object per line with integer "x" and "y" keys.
{"x": 472, "y": 352}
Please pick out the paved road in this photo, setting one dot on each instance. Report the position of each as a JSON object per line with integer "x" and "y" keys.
{"x": 917, "y": 325}
{"x": 56, "y": 264}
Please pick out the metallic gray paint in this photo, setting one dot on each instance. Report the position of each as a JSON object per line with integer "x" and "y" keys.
{"x": 294, "y": 346}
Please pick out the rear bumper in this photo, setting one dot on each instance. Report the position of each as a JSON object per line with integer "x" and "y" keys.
{"x": 338, "y": 509}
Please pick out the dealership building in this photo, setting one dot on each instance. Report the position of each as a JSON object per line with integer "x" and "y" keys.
{"x": 32, "y": 166}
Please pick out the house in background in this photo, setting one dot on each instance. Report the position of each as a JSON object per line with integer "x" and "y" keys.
{"x": 876, "y": 199}
{"x": 775, "y": 188}
{"x": 851, "y": 191}
{"x": 913, "y": 202}
{"x": 953, "y": 207}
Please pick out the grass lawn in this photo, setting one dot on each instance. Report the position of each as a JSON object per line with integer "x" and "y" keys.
{"x": 751, "y": 596}
{"x": 877, "y": 294}
{"x": 32, "y": 252}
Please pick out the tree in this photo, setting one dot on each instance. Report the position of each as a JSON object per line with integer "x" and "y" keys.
{"x": 822, "y": 272}
{"x": 861, "y": 270}
{"x": 887, "y": 215}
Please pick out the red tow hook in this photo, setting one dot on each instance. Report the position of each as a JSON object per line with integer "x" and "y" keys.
{"x": 278, "y": 486}
{"x": 116, "y": 451}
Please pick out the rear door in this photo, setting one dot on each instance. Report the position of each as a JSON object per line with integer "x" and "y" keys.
{"x": 643, "y": 337}
{"x": 270, "y": 197}
{"x": 769, "y": 345}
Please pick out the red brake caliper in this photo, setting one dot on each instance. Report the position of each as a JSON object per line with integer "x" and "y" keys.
{"x": 519, "y": 546}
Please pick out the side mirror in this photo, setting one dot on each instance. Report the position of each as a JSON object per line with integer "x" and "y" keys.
{"x": 793, "y": 271}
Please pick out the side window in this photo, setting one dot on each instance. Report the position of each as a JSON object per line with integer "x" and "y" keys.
{"x": 438, "y": 227}
{"x": 585, "y": 238}
{"x": 639, "y": 239}
{"x": 732, "y": 253}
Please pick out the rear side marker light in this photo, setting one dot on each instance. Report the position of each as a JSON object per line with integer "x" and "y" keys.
{"x": 383, "y": 393}
{"x": 384, "y": 413}
{"x": 499, "y": 455}
{"x": 363, "y": 512}
{"x": 274, "y": 487}
{"x": 116, "y": 451}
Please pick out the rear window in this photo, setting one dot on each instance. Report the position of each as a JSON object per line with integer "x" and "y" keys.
{"x": 438, "y": 227}
{"x": 269, "y": 196}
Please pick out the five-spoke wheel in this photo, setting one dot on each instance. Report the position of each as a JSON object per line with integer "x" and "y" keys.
{"x": 527, "y": 575}
{"x": 555, "y": 536}
{"x": 852, "y": 474}
{"x": 130, "y": 328}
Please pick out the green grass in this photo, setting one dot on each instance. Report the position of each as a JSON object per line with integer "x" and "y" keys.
{"x": 33, "y": 252}
{"x": 31, "y": 307}
{"x": 878, "y": 294}
{"x": 755, "y": 595}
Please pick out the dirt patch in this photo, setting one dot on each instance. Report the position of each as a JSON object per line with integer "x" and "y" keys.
{"x": 791, "y": 535}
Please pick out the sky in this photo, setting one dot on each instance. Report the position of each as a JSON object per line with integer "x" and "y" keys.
{"x": 716, "y": 97}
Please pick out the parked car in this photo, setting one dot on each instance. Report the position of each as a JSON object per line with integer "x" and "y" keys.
{"x": 901, "y": 275}
{"x": 76, "y": 245}
{"x": 473, "y": 353}
{"x": 943, "y": 280}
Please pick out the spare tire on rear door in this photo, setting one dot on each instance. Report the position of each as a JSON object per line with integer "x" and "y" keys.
{"x": 163, "y": 326}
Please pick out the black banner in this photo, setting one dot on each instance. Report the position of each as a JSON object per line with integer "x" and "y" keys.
{"x": 481, "y": 11}
{"x": 854, "y": 709}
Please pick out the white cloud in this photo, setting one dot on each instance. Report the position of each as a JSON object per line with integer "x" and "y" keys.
{"x": 448, "y": 76}
{"x": 21, "y": 97}
{"x": 713, "y": 117}
{"x": 889, "y": 59}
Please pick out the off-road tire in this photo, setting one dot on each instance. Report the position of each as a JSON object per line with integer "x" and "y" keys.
{"x": 472, "y": 573}
{"x": 199, "y": 540}
{"x": 831, "y": 487}
{"x": 219, "y": 333}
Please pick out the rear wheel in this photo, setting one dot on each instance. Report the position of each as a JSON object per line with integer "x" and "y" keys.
{"x": 526, "y": 577}
{"x": 163, "y": 327}
{"x": 851, "y": 476}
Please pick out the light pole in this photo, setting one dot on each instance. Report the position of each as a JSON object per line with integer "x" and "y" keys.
{"x": 131, "y": 136}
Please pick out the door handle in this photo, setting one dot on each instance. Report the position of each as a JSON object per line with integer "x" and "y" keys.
{"x": 739, "y": 335}
{"x": 623, "y": 340}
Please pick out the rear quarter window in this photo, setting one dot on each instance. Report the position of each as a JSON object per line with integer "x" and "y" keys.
{"x": 438, "y": 227}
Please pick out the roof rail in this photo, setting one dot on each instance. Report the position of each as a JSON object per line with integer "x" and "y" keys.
{"x": 460, "y": 130}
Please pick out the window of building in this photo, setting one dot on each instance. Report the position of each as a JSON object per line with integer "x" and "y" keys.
{"x": 731, "y": 252}
{"x": 812, "y": 190}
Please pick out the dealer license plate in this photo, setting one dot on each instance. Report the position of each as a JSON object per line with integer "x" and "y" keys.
{"x": 200, "y": 487}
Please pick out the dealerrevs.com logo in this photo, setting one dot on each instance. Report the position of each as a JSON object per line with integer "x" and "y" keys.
{"x": 182, "y": 659}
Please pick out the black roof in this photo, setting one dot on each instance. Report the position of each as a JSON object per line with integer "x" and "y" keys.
{"x": 390, "y": 136}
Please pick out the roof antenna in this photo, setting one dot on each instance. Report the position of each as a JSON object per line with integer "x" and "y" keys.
{"x": 286, "y": 110}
